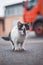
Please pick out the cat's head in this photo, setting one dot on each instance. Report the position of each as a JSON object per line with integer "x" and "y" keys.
{"x": 21, "y": 28}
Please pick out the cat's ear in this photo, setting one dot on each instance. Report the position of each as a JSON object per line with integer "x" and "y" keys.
{"x": 18, "y": 23}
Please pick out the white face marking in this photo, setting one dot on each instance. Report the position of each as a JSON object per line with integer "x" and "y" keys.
{"x": 23, "y": 27}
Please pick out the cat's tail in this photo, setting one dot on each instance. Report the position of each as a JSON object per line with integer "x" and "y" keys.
{"x": 7, "y": 38}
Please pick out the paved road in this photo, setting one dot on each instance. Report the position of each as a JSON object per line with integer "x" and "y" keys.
{"x": 33, "y": 54}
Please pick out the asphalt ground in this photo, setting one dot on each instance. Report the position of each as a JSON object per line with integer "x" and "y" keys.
{"x": 33, "y": 54}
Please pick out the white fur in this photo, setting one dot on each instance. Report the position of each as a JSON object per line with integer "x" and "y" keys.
{"x": 16, "y": 35}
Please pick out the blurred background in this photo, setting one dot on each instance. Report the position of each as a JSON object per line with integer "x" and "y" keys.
{"x": 10, "y": 12}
